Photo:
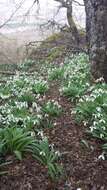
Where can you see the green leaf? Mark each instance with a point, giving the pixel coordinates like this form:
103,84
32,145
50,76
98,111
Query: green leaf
18,154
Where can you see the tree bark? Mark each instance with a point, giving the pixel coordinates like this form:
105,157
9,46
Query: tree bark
96,29
72,25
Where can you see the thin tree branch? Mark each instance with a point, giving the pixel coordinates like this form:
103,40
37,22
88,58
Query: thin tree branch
13,14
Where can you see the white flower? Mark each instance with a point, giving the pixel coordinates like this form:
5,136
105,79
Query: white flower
39,116
41,133
32,134
34,105
94,123
58,153
102,121
42,153
92,128
61,64
101,156
101,79
85,123
98,109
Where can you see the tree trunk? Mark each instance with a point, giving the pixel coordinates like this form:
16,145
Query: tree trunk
72,25
96,27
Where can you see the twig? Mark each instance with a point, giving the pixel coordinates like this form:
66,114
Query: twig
12,15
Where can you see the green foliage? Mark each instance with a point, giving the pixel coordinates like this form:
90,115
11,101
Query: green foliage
76,77
45,153
40,87
5,92
52,108
15,141
92,111
28,63
55,53
84,111
73,91
56,73
27,97
21,114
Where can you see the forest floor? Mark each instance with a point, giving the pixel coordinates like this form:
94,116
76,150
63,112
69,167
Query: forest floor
82,169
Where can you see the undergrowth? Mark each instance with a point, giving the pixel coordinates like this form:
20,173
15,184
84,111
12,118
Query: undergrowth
88,96
25,110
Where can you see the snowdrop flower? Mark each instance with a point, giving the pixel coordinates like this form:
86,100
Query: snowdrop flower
58,153
32,134
101,156
73,112
52,146
38,109
94,123
98,109
42,153
101,79
34,105
46,115
102,121
55,124
61,64
85,123
101,136
41,133
92,128
39,116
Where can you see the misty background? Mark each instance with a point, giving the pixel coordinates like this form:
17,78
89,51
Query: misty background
25,22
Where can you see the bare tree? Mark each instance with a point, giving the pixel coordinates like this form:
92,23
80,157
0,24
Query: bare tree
68,4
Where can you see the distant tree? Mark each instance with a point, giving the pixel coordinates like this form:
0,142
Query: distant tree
73,28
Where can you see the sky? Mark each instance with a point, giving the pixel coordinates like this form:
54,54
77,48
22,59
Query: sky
47,10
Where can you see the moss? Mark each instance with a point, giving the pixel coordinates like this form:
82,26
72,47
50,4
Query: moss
54,37
55,53
51,40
